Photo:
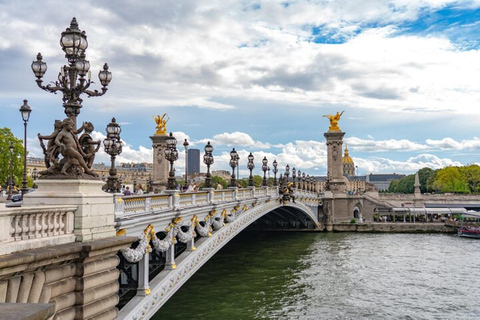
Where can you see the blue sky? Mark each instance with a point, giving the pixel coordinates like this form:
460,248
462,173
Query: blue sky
259,76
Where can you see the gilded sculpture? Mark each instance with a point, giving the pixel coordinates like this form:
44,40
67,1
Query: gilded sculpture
161,124
334,121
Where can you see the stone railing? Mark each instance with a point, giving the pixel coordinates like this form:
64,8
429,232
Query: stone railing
35,227
171,200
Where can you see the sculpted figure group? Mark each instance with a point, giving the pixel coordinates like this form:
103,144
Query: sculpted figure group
78,153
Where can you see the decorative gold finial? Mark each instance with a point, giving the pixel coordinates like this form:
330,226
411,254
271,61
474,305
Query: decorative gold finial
161,124
334,121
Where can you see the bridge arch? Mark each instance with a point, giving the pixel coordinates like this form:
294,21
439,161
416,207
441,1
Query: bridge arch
167,282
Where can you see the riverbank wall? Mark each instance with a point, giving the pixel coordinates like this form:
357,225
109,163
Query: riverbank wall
395,227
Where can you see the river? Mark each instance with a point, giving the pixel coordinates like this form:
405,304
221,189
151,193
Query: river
334,276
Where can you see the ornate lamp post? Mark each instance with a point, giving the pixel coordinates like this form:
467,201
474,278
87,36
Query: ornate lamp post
264,168
275,170
171,154
250,167
233,164
208,160
25,111
113,147
71,79
135,175
304,187
308,182
299,177
185,144
10,168
287,173
294,176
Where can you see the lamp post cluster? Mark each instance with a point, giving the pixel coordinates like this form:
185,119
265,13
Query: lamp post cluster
171,154
71,79
113,147
208,160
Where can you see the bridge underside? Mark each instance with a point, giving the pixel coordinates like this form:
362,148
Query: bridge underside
284,218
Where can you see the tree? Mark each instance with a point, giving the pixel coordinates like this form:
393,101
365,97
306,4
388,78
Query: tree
6,137
216,180
471,176
449,179
424,176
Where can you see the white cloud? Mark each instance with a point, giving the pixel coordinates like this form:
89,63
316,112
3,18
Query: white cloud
402,145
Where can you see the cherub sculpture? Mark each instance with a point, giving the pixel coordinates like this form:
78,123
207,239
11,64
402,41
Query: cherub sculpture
161,124
334,121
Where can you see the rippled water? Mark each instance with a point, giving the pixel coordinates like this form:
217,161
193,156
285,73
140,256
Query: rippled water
334,276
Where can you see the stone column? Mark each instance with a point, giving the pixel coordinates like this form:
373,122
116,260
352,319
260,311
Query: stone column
160,164
338,183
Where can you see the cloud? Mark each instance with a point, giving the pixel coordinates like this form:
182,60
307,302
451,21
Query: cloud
402,145
239,139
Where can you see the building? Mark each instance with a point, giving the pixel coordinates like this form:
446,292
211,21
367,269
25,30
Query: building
382,180
348,164
193,161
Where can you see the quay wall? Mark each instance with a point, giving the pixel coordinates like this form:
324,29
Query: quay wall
395,227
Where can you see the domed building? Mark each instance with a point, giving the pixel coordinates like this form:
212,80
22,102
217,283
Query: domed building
348,164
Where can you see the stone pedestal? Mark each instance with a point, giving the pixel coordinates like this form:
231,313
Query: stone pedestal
338,182
160,164
95,214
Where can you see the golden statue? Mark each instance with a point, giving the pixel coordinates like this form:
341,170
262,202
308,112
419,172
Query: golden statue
334,121
161,124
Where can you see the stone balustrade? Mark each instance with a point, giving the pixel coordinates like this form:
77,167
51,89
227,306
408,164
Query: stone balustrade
35,227
149,203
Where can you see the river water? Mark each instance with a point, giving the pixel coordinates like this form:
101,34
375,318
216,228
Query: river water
334,276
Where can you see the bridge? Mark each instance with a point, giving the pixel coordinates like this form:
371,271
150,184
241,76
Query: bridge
200,224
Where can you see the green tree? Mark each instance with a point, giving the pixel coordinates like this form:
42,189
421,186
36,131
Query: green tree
424,176
216,180
471,176
6,137
257,180
449,179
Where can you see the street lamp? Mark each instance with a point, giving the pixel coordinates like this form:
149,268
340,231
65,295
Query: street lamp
10,181
135,175
275,170
171,154
25,111
208,160
250,167
287,172
233,163
113,147
294,175
264,168
299,177
185,144
304,187
71,79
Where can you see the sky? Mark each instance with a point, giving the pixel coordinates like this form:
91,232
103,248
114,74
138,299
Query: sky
259,76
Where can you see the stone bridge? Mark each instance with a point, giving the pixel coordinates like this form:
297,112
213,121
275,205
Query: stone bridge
179,232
